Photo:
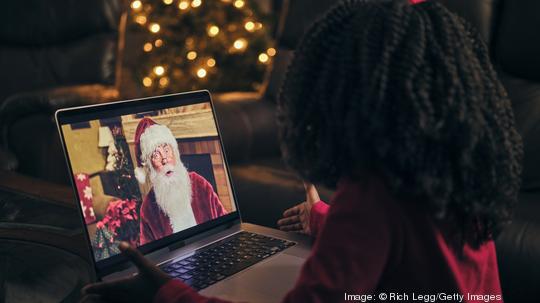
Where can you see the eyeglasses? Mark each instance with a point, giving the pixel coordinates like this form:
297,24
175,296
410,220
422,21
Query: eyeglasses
162,151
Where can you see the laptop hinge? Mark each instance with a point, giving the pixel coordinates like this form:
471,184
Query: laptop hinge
177,245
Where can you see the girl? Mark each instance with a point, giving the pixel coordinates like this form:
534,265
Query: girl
399,108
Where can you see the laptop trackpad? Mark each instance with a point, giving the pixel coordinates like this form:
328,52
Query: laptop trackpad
268,281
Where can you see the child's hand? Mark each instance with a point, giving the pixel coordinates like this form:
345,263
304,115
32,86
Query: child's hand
140,288
297,218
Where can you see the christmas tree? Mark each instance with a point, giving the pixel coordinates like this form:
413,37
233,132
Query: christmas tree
221,45
127,186
121,219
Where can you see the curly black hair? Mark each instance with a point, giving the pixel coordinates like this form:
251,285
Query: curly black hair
408,93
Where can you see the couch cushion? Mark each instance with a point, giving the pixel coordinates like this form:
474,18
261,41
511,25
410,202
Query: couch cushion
299,16
478,13
518,248
266,188
525,96
248,126
517,46
47,44
33,23
86,61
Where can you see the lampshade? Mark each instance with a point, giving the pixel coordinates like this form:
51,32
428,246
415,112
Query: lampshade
105,136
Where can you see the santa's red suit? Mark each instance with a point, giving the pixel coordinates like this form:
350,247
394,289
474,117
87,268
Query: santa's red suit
205,204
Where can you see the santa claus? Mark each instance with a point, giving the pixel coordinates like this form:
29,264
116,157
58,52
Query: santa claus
178,199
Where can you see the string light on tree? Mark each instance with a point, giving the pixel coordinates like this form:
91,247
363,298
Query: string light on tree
147,81
183,5
213,30
159,70
201,72
263,58
185,39
192,55
140,19
147,47
240,44
154,28
136,5
239,3
163,82
271,52
249,26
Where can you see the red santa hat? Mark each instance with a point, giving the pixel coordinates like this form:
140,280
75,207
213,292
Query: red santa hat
148,136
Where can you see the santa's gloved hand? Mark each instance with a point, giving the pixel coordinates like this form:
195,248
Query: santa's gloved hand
139,288
297,218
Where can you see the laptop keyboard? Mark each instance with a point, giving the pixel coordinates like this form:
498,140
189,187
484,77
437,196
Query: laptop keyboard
224,258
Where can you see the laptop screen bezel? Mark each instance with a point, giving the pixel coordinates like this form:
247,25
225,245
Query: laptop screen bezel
133,106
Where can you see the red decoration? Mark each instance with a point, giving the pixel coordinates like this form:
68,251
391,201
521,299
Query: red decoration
122,220
85,195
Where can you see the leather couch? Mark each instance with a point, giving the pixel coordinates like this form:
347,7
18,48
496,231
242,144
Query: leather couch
53,55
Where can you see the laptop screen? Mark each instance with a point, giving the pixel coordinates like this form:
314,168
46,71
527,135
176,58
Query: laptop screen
145,173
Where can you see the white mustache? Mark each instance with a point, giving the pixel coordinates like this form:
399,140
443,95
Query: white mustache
167,167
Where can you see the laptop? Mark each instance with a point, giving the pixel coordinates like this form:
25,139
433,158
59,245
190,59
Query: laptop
153,172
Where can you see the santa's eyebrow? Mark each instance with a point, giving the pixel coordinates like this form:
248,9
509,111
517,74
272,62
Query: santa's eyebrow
157,147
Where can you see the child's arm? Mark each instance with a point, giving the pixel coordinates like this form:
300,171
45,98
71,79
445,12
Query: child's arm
350,255
306,217
317,217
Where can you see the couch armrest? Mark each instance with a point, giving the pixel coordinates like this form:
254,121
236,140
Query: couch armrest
48,101
8,161
518,251
29,140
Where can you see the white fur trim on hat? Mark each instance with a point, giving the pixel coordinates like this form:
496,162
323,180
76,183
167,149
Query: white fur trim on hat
140,174
151,138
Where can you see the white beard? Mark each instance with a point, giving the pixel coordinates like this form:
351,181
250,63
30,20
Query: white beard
173,195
